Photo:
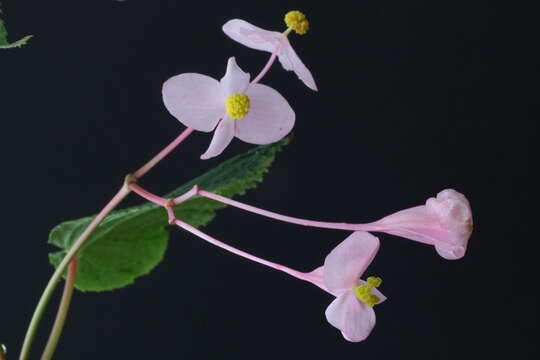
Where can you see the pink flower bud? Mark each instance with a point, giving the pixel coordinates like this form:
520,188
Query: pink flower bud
445,222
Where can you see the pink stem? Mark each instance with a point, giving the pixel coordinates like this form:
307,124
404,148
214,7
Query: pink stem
156,159
194,190
289,219
173,220
297,274
148,196
51,285
268,64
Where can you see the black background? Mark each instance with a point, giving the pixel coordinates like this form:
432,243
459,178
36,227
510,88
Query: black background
415,97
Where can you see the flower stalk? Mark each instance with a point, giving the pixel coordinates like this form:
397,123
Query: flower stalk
57,275
63,310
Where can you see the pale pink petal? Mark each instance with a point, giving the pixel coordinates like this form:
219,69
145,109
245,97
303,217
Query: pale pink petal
354,318
413,223
195,100
450,252
348,261
290,61
444,221
235,80
270,116
454,212
222,137
316,277
251,35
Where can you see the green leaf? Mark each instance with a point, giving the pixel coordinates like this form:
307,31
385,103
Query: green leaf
131,242
4,44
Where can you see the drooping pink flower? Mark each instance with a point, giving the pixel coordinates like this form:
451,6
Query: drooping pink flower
260,39
444,221
254,113
352,310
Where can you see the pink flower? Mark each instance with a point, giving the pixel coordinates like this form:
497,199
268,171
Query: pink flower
260,39
254,113
352,310
444,221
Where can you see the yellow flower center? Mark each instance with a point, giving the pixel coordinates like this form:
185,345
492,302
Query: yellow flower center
237,106
297,21
363,292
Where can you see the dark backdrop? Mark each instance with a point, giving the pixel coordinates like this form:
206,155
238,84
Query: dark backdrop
415,96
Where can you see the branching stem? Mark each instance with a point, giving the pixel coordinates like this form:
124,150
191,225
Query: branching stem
76,247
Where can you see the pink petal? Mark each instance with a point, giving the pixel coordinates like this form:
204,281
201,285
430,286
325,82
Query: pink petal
450,252
235,80
251,35
290,61
445,222
354,318
222,137
454,212
195,100
414,223
316,277
348,261
270,116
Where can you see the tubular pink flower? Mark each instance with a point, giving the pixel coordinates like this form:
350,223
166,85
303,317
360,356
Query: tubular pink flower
444,221
254,113
260,39
340,276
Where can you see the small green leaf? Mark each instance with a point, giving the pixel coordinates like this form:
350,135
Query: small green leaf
131,242
4,44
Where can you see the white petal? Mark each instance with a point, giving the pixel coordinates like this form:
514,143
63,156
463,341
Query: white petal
348,261
270,116
290,61
354,318
222,137
235,80
195,100
251,35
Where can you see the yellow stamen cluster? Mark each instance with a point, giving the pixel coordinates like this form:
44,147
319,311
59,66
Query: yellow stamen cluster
363,292
297,21
237,106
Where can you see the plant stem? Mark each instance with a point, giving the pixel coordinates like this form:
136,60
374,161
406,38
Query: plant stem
169,205
146,195
51,285
268,65
162,154
47,293
284,218
295,273
62,311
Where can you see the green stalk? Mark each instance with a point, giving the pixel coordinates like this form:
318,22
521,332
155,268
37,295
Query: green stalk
62,311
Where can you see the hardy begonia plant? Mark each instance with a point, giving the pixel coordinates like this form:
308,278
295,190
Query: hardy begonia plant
257,114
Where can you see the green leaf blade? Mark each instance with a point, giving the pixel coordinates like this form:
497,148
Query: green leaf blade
5,44
133,241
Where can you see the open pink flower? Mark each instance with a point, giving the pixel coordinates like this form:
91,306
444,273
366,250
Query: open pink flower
254,113
444,221
260,39
352,310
